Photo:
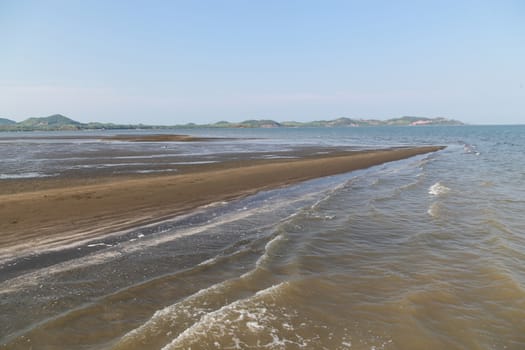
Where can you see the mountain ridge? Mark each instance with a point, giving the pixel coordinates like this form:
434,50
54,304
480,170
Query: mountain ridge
57,122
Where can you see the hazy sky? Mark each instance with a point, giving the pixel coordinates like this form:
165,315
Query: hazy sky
169,62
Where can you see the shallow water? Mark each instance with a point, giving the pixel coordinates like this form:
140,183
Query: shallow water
424,253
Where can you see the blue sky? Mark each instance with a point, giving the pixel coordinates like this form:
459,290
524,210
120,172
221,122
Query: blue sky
170,62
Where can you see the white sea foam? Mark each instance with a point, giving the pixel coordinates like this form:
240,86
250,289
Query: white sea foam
209,261
27,175
99,245
255,316
196,162
438,189
190,309
153,171
276,156
215,204
106,165
198,305
267,248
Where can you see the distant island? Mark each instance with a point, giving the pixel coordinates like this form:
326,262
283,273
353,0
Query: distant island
59,122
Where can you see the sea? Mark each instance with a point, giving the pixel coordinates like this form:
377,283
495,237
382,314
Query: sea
422,253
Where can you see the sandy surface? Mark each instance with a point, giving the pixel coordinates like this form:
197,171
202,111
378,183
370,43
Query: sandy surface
42,217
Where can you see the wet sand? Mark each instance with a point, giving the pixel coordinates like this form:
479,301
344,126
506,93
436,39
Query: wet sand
127,138
50,214
160,138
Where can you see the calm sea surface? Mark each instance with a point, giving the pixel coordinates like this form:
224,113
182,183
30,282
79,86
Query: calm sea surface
424,253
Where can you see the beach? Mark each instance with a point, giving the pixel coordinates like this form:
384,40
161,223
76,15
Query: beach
44,215
295,238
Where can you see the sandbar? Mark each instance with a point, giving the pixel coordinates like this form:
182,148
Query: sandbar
48,217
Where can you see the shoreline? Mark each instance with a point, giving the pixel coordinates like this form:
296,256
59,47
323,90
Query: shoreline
43,219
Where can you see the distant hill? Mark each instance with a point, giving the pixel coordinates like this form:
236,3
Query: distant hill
4,121
55,121
264,123
348,122
422,121
340,122
60,122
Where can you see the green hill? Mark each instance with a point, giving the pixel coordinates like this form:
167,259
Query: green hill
352,122
252,123
407,120
55,120
265,123
4,121
60,122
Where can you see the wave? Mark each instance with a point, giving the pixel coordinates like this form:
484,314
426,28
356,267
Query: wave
434,210
183,317
248,312
438,189
195,311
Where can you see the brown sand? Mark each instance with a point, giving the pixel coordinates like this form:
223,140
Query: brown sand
68,213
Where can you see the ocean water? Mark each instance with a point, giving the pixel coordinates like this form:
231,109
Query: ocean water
423,253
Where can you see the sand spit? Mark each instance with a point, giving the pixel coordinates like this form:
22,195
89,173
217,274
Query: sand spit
72,211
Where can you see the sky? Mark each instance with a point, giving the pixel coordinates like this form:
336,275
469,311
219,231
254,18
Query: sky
174,62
